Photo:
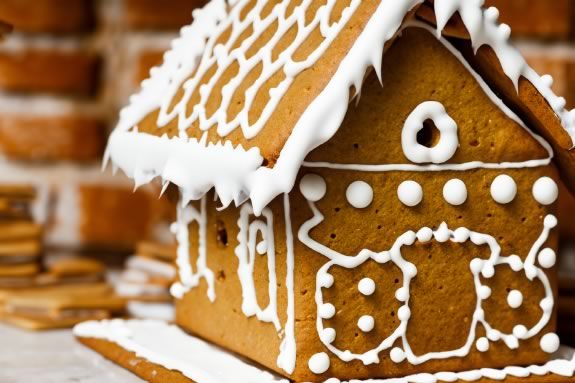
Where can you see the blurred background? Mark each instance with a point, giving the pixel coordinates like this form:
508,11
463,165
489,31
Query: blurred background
65,70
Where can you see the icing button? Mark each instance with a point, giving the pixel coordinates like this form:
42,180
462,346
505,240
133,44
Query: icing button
397,355
410,193
366,323
515,299
482,344
313,187
550,343
319,363
503,189
359,194
455,192
366,286
545,191
327,311
547,258
327,335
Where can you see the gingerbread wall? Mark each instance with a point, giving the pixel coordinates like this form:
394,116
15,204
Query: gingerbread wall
65,72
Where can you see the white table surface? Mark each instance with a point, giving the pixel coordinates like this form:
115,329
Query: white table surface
53,357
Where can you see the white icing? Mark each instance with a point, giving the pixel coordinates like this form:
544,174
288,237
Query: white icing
319,363
547,258
545,191
359,194
410,193
366,323
246,254
479,268
188,279
149,310
327,335
448,142
288,352
366,286
455,192
170,347
312,187
482,344
550,343
515,299
503,189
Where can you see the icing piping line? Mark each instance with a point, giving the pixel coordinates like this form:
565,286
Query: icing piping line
288,348
479,267
188,214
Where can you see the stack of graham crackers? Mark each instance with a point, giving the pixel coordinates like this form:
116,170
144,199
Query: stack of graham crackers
20,237
146,281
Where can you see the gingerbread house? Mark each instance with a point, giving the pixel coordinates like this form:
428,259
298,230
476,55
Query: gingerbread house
367,189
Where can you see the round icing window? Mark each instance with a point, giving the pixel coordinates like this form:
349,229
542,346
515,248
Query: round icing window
447,144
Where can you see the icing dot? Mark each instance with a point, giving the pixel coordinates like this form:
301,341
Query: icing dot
410,193
550,343
366,286
484,292
424,235
488,271
397,355
546,304
326,280
366,323
482,344
545,191
520,331
493,335
327,311
327,335
550,221
312,187
404,313
319,363
515,299
547,258
515,263
455,192
503,189
262,247
359,194
402,294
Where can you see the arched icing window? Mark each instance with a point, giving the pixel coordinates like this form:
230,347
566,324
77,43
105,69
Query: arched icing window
448,142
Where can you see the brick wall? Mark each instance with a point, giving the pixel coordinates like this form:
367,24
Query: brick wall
65,70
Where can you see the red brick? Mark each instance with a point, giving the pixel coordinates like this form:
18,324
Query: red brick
536,18
49,71
52,138
51,16
154,14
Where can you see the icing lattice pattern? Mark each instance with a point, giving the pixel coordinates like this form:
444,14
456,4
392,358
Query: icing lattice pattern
252,58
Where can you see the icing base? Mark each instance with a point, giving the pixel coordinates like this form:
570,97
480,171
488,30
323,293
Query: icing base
168,346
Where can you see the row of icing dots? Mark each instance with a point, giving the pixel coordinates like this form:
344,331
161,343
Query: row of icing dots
503,190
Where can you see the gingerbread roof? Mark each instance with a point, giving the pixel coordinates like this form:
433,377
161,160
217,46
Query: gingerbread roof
252,86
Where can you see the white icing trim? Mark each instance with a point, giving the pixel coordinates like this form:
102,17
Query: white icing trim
246,251
448,142
479,268
189,279
168,346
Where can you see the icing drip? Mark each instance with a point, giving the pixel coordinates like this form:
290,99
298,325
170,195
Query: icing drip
503,189
359,194
196,48
189,279
246,253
